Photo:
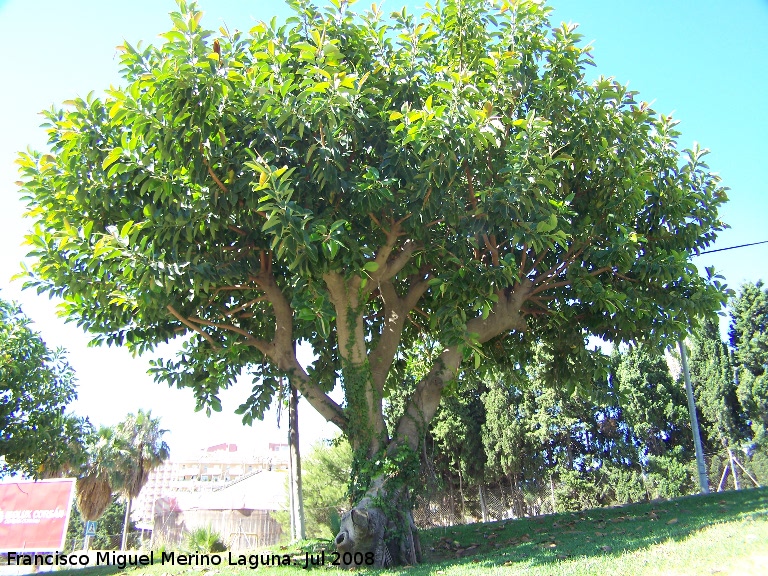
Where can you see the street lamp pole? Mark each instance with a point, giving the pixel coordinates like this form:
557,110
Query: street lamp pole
703,480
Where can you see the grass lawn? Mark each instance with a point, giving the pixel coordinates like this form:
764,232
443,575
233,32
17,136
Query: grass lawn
718,534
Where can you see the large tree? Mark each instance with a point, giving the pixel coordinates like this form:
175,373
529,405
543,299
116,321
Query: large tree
356,182
37,436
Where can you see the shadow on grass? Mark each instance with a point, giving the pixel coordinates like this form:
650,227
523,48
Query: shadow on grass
598,532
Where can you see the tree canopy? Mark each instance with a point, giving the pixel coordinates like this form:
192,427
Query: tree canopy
748,334
714,378
360,183
37,436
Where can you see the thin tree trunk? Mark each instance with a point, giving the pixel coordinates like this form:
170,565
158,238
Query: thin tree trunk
733,470
291,480
552,494
297,501
754,480
722,479
483,507
126,520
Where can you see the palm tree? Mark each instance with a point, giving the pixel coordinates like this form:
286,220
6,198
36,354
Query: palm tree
93,490
145,449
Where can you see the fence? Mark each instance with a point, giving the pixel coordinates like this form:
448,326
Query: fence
502,501
136,541
239,529
479,503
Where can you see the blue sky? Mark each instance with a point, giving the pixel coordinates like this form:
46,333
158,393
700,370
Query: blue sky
702,61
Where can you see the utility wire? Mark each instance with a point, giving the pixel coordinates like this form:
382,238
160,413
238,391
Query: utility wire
732,247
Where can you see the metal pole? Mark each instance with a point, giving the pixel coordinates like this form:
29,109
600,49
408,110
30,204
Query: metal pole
703,480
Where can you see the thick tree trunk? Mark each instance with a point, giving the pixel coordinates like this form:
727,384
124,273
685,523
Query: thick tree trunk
379,531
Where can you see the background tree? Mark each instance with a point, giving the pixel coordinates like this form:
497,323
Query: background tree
454,441
93,489
722,416
108,529
142,448
748,334
655,408
325,474
358,183
654,404
37,437
512,449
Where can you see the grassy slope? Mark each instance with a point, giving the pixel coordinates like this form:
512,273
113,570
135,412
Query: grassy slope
724,533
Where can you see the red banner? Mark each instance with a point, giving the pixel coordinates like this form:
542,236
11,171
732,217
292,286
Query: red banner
34,515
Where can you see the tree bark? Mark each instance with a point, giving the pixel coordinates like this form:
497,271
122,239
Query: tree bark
483,507
298,531
733,469
380,528
381,523
722,478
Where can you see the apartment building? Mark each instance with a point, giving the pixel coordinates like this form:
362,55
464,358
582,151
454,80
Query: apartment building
211,469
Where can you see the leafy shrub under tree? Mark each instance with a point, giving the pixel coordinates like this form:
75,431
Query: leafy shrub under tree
205,540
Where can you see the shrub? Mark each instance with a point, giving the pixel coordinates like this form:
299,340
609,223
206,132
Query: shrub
623,486
204,540
576,491
670,477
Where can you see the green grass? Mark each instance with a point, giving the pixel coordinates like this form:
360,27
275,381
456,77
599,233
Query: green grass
718,534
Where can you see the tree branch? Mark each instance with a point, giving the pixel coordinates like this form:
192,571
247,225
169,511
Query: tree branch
376,221
261,345
389,267
504,316
237,230
600,270
524,258
396,312
282,351
318,399
470,186
493,249
218,182
283,340
398,263
232,311
191,326
546,286
537,261
568,259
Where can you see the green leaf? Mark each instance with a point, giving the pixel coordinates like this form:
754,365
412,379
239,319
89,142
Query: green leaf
111,158
126,229
547,225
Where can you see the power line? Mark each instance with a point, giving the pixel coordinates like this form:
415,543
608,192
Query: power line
732,247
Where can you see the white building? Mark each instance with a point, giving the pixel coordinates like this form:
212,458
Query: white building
211,469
